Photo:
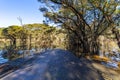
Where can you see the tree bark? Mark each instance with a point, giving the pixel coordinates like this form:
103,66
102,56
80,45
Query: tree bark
117,36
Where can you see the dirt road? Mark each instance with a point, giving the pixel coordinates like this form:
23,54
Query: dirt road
56,65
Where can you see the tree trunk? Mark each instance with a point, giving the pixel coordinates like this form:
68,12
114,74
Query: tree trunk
13,42
86,48
94,46
117,35
30,38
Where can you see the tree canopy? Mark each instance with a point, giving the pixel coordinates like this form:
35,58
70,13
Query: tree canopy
84,20
13,32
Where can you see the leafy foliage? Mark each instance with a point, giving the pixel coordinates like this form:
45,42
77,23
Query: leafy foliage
84,21
13,32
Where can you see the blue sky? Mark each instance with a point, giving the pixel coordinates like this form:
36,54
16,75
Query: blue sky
28,10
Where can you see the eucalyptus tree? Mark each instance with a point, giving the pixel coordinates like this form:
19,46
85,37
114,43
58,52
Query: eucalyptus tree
1,31
116,29
13,33
33,31
84,20
116,32
39,34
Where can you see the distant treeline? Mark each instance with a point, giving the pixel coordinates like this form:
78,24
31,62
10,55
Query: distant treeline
32,35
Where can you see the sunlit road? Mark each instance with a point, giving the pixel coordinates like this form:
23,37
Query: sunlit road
55,65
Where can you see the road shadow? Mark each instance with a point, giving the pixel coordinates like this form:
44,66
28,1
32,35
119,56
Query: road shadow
56,64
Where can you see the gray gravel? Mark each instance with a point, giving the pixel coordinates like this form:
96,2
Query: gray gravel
56,65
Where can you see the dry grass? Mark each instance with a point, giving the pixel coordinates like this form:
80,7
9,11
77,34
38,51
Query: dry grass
119,64
107,73
98,58
102,59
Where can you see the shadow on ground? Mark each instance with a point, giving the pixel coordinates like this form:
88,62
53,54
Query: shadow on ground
56,65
